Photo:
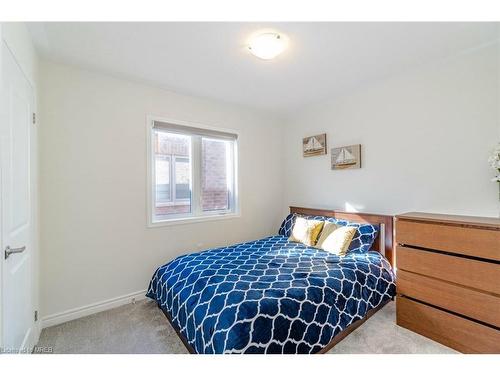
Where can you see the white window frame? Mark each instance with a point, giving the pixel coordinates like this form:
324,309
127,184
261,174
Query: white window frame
196,214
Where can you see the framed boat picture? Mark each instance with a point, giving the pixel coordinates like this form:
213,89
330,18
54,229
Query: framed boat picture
314,145
346,157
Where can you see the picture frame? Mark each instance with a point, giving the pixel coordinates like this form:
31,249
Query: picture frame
346,157
314,145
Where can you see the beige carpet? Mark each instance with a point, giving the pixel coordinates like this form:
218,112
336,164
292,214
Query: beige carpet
142,328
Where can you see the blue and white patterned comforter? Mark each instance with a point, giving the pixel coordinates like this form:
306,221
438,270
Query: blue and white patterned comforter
269,295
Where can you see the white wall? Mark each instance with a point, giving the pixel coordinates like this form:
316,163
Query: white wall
95,241
16,36
425,138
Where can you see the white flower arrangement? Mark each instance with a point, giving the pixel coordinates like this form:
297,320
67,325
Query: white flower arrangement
494,161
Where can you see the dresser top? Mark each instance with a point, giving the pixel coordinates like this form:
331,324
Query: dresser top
490,222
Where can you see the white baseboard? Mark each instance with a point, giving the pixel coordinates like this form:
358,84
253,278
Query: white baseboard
72,314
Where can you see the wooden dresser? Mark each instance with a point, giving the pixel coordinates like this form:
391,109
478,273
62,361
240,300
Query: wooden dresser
448,279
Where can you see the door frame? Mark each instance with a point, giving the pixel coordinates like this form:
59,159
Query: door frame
33,189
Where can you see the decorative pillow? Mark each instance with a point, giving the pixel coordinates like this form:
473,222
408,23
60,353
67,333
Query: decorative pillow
306,231
287,225
363,238
336,238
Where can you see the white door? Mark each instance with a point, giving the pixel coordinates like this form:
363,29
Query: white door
16,255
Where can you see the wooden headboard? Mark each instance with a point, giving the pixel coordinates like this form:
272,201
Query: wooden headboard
383,244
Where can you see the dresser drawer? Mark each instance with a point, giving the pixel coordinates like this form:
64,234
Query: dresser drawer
468,272
482,243
451,330
469,302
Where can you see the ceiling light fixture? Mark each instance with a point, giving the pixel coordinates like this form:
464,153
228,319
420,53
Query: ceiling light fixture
267,46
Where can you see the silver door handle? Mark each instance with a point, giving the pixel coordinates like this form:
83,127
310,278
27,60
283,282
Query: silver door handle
16,250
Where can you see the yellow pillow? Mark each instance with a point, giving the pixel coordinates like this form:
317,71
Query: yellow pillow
306,231
336,238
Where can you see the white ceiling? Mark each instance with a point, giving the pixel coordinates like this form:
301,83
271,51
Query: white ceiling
210,59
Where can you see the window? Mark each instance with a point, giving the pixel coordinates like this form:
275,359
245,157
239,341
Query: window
193,172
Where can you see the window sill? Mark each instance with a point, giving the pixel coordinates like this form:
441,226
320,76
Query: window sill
186,202
192,220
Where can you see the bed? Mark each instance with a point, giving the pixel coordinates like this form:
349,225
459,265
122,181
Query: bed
276,296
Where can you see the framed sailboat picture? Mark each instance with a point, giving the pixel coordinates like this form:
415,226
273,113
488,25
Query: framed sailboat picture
346,157
314,145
